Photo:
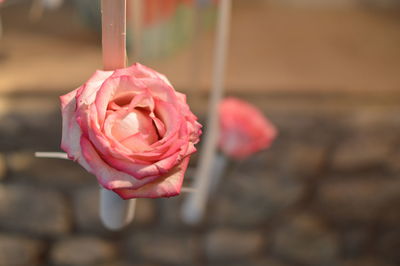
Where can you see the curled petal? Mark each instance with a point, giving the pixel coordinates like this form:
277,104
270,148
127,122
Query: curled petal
107,176
140,71
168,185
71,130
114,88
86,94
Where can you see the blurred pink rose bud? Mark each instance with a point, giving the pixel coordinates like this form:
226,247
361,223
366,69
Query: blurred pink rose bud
132,130
243,129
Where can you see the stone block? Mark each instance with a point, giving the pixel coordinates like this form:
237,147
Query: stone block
246,199
3,167
229,244
302,161
388,245
170,211
360,153
304,239
18,250
146,212
82,251
355,240
59,173
171,248
86,209
347,201
33,210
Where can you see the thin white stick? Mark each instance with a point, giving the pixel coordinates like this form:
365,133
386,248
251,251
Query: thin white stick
194,206
55,155
188,190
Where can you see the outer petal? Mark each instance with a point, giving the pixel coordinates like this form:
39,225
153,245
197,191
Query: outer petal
168,185
151,73
139,171
87,93
72,102
140,71
194,127
171,119
107,176
143,171
71,132
159,89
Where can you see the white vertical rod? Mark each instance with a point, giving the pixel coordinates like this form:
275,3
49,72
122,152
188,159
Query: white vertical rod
194,206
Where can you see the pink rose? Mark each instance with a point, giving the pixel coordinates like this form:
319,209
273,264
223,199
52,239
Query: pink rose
132,130
243,129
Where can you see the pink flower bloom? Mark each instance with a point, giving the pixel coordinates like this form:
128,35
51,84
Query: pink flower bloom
243,129
132,130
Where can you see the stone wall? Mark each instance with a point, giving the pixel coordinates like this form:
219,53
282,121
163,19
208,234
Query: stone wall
326,193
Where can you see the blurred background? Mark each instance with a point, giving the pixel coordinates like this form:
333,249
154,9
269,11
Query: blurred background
326,73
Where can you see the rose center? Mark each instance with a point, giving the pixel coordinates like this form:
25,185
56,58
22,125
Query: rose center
135,130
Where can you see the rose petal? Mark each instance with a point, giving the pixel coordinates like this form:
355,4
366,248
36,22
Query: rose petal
160,126
108,92
161,91
136,142
140,71
168,185
87,93
141,171
70,128
170,118
109,177
109,147
127,126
